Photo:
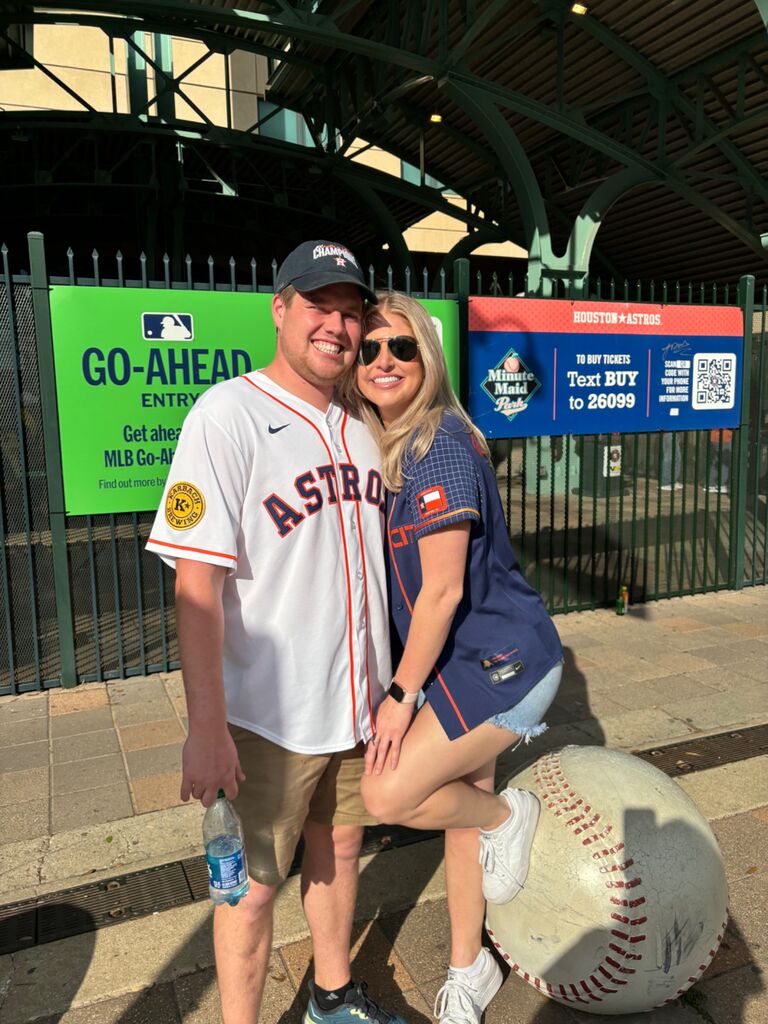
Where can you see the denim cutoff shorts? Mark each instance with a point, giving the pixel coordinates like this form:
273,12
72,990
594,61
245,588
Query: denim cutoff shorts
525,718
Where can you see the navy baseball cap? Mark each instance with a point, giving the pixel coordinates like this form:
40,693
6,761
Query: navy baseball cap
316,264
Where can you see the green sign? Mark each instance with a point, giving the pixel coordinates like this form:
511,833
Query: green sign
130,364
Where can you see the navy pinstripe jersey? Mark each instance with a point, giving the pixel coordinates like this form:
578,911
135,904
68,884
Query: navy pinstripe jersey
502,641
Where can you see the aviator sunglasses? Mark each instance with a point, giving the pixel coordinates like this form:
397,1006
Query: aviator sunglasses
402,346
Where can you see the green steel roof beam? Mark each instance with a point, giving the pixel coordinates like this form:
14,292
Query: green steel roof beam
124,26
475,28
593,212
386,223
762,7
510,153
183,18
661,86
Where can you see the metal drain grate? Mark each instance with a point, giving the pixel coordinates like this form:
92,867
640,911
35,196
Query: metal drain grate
101,904
708,751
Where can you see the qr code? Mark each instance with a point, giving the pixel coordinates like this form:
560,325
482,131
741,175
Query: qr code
714,380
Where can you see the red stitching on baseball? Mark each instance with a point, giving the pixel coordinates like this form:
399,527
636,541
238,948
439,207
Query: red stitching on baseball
549,772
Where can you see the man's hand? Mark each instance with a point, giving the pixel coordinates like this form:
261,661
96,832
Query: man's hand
393,721
209,762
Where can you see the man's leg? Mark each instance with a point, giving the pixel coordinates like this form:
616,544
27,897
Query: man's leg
329,891
242,941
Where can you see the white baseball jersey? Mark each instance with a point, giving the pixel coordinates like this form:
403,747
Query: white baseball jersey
291,501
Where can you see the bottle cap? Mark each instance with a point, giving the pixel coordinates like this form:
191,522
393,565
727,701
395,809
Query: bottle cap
220,795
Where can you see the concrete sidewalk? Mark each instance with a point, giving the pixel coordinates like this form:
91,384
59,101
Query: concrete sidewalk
89,790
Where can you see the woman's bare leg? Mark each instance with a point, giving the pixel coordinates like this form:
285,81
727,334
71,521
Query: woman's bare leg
427,789
463,876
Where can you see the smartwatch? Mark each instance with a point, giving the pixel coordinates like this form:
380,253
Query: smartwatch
396,692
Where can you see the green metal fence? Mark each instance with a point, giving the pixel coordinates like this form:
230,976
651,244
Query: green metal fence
80,599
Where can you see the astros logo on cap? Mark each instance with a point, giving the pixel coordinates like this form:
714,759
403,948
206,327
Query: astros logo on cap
184,506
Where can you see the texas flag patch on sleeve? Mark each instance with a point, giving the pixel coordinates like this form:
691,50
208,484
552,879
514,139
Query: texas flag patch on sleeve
430,501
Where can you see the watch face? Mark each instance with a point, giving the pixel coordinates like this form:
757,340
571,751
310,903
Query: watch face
396,692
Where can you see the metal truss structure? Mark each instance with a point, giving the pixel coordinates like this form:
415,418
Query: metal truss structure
544,119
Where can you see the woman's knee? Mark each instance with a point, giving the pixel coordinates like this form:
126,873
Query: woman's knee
384,799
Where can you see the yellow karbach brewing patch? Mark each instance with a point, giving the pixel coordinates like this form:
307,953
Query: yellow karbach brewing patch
184,506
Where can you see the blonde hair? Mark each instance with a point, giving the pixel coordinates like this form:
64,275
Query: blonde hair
415,430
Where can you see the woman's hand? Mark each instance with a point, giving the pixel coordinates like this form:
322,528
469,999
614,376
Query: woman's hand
393,721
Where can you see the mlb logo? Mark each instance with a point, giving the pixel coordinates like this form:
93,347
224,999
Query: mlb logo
431,501
167,327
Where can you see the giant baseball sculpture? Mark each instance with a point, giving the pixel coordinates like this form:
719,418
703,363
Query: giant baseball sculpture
626,901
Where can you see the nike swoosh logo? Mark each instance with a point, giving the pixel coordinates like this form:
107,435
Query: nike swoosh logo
276,430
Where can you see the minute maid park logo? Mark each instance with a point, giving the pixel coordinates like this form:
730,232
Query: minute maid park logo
510,385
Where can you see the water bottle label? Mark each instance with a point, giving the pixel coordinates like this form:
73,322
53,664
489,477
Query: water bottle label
226,872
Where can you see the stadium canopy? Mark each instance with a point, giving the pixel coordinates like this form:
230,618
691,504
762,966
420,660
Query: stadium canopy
621,136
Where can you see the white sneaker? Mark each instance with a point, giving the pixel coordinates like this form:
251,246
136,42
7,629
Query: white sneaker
505,851
462,1000
677,486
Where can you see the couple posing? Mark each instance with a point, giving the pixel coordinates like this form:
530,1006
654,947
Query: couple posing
285,486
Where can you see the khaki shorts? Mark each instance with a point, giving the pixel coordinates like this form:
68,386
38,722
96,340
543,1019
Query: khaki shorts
282,790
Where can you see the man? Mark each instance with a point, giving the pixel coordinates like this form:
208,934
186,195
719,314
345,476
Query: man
273,518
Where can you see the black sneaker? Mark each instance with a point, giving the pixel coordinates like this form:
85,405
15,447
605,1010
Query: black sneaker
357,1007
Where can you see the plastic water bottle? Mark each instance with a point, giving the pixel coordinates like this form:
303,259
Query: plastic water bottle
224,852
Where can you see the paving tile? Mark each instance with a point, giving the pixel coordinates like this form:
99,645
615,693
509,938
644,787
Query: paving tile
676,662
26,731
656,692
748,902
90,807
180,706
135,714
422,939
636,729
24,706
729,789
735,998
138,690
76,776
27,820
153,760
751,648
680,624
24,756
173,683
80,722
86,697
755,667
743,840
156,1005
151,734
748,629
18,787
84,745
373,959
732,953
198,997
720,710
156,792
720,654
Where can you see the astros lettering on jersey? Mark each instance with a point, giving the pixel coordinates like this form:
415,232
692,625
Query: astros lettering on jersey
291,501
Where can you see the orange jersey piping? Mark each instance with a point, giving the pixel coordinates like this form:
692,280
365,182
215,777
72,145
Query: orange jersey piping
199,551
410,609
343,541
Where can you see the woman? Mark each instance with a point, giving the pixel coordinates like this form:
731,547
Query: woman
476,638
